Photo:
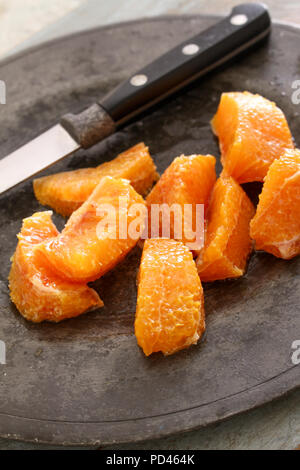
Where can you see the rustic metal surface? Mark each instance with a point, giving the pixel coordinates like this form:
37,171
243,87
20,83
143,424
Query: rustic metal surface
85,381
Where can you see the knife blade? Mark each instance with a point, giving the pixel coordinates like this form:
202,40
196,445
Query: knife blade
247,25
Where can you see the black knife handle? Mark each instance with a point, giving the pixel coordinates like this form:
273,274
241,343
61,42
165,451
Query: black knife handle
245,26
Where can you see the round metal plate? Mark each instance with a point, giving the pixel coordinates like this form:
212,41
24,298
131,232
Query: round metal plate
85,381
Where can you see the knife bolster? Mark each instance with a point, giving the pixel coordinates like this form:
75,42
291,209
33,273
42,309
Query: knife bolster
89,127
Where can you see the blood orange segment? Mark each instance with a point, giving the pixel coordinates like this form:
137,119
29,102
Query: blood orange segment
38,293
227,242
83,252
276,225
188,180
65,192
252,132
170,305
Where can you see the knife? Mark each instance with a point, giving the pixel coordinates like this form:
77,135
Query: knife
247,25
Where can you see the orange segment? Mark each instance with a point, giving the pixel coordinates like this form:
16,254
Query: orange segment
227,244
170,305
253,132
188,180
83,252
38,293
67,191
276,225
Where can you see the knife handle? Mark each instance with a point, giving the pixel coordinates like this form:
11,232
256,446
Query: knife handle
246,25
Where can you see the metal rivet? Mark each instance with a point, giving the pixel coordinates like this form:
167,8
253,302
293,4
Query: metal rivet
190,49
239,20
139,80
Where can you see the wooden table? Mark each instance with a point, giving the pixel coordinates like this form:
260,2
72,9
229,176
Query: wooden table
93,13
276,425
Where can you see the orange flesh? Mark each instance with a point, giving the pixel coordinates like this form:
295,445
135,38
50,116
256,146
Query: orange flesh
79,253
38,293
276,225
227,242
170,305
252,133
188,180
65,192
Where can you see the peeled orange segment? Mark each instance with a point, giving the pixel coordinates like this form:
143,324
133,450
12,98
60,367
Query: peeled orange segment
276,225
227,241
189,180
98,235
67,191
252,132
38,293
170,306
